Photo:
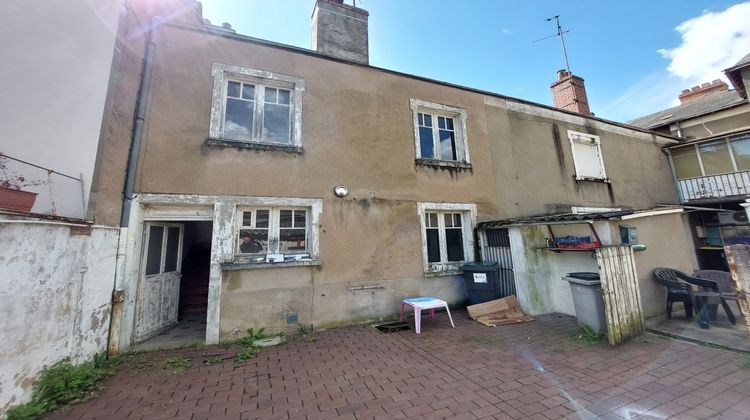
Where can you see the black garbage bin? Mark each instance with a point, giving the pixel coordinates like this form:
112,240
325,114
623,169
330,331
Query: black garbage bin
482,281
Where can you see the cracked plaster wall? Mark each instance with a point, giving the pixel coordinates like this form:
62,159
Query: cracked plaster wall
55,292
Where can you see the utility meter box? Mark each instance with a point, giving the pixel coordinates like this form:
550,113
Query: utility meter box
629,235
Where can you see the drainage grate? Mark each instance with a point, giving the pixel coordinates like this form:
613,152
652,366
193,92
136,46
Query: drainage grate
389,327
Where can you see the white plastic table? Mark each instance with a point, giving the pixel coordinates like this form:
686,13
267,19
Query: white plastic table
424,302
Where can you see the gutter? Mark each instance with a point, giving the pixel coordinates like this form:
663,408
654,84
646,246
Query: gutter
118,294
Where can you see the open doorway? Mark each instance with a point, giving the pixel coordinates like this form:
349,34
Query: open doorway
173,290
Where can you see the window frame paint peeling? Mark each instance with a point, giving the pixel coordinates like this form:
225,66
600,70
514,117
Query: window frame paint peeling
222,74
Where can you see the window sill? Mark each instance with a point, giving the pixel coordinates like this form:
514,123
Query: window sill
253,145
238,265
602,180
442,163
442,273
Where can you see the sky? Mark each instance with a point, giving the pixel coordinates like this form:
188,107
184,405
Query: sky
636,56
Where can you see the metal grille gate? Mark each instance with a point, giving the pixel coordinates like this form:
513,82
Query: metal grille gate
496,248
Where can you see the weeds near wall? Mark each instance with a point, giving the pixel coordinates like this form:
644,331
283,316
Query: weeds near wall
250,350
63,384
179,363
252,335
211,360
586,334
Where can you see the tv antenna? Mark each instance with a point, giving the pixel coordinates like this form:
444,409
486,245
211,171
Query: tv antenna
559,33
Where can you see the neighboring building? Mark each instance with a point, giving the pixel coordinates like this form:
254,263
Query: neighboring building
290,186
712,167
53,119
56,265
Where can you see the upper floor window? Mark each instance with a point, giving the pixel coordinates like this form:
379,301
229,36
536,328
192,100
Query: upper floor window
587,156
255,106
715,157
439,133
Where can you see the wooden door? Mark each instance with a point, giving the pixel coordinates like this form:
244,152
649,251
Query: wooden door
159,286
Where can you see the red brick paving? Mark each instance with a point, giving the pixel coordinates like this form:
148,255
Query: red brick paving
532,370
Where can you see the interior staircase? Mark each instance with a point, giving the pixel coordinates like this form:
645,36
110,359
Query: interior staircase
194,283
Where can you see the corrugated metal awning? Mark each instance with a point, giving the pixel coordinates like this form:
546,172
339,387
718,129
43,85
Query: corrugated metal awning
578,218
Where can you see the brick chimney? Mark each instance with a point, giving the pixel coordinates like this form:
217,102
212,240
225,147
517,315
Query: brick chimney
569,93
696,92
340,30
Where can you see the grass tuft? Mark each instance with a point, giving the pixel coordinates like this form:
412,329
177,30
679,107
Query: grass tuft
586,334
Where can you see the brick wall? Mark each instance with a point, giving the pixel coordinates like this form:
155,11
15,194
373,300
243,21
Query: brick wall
569,93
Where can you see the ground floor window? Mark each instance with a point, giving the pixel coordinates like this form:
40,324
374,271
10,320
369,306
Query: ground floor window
273,230
447,235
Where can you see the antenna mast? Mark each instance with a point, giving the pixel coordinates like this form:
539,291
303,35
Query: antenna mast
560,33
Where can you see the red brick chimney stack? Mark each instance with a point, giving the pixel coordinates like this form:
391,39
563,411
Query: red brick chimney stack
696,92
569,93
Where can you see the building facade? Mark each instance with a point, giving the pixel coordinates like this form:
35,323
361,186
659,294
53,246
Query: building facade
711,167
288,186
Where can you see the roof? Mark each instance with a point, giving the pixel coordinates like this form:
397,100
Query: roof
710,103
742,63
735,76
577,218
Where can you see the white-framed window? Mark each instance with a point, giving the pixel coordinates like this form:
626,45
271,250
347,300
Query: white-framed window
164,250
439,132
447,235
284,227
256,106
273,230
587,156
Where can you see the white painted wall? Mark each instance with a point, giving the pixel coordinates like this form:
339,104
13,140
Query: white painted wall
538,272
55,294
57,57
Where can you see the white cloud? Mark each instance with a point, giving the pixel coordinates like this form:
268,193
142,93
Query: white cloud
710,43
506,31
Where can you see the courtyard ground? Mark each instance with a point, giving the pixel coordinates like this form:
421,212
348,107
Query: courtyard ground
530,370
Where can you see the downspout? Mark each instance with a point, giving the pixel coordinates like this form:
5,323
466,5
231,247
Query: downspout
674,175
118,295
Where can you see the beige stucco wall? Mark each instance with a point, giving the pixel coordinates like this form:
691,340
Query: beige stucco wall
668,245
534,168
357,130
